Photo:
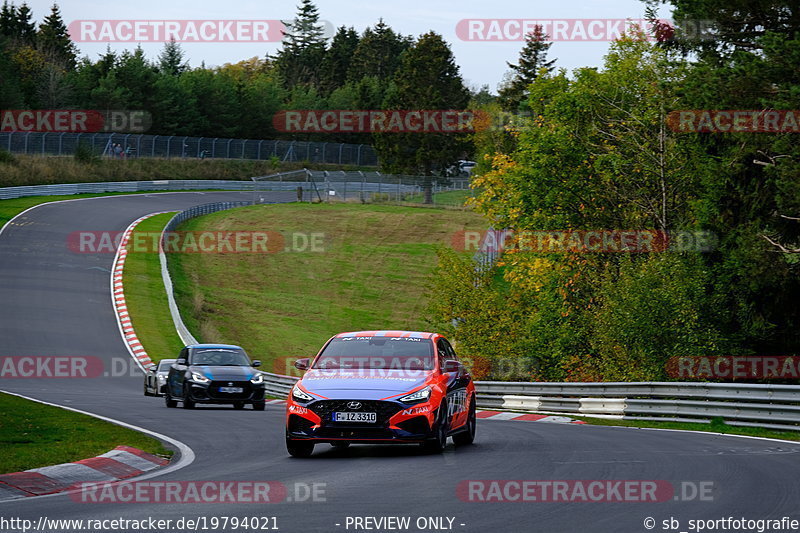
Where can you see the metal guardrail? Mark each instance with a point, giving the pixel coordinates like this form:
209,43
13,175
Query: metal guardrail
755,405
196,211
179,146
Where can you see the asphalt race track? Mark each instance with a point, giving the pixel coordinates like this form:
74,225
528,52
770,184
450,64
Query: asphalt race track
57,302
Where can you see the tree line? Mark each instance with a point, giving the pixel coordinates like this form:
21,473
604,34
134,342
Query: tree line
597,153
376,69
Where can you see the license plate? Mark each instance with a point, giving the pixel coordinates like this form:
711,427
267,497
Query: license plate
231,389
349,416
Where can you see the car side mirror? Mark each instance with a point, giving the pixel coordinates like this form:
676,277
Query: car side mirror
256,363
302,364
180,361
152,367
453,366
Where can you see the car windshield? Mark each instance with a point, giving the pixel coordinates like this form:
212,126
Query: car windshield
219,357
384,353
163,366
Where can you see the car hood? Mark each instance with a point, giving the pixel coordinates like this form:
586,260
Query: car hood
233,373
363,384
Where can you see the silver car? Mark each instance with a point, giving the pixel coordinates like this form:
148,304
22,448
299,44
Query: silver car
155,376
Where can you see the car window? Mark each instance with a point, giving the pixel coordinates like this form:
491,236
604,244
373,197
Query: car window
219,356
450,351
442,352
385,353
163,366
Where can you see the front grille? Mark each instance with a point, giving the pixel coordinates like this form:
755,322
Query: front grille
383,410
368,432
214,392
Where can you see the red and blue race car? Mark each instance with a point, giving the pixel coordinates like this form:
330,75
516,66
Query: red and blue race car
381,387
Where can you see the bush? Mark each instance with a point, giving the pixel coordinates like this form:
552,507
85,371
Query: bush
84,153
8,158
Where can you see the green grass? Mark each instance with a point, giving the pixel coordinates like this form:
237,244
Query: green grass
448,198
34,435
373,274
146,298
716,426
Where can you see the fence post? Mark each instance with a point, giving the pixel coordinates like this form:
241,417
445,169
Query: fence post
60,142
169,141
139,144
259,150
341,146
244,144
214,147
358,156
153,147
44,136
228,152
26,143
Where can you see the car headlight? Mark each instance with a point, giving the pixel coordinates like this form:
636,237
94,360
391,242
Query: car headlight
258,379
420,395
300,395
197,377
162,378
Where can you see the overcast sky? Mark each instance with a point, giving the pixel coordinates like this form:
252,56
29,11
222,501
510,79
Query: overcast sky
480,62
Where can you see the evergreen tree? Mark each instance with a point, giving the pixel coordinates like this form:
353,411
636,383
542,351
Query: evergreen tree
10,92
303,50
338,59
378,53
532,59
170,60
427,79
8,20
54,42
26,27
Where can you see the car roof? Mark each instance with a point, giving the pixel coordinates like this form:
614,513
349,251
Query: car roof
388,333
212,346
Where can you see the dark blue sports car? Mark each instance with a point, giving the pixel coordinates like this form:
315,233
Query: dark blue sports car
216,374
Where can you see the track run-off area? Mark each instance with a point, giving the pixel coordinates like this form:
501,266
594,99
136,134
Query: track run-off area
55,302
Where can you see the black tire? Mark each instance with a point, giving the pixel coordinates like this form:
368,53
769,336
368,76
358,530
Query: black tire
340,444
439,441
238,405
187,401
467,437
145,391
259,406
169,401
299,448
